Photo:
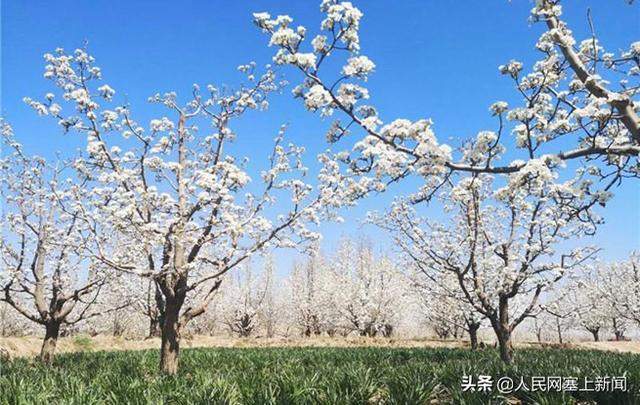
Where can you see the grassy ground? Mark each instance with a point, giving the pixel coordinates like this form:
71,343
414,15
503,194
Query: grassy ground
307,376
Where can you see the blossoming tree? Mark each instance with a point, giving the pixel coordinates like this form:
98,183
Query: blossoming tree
499,246
176,193
47,274
615,287
444,305
558,312
366,289
246,299
309,305
352,290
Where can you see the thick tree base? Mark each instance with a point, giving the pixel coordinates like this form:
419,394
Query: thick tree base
49,344
170,348
169,361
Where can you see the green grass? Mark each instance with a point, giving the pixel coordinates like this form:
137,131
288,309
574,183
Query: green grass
84,343
305,376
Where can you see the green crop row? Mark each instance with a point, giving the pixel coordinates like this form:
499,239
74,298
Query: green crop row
308,376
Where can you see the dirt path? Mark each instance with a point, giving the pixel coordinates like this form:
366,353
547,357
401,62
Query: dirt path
30,346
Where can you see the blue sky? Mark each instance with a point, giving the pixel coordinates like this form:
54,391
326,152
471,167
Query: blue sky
435,59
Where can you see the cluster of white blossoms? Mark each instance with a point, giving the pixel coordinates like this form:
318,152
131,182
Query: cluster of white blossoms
162,124
513,68
498,107
305,60
534,177
37,106
317,98
483,149
345,17
106,92
349,94
358,66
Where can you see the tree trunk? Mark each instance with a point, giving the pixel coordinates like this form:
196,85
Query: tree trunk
154,328
4,320
118,327
503,331
538,332
174,289
50,341
157,316
617,331
506,349
170,348
595,333
473,335
559,329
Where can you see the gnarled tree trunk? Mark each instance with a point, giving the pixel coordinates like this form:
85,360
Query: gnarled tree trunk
154,328
170,348
50,342
595,332
473,335
506,348
617,330
559,330
156,314
502,329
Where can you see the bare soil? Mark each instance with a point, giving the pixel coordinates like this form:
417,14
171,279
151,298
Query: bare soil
30,346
